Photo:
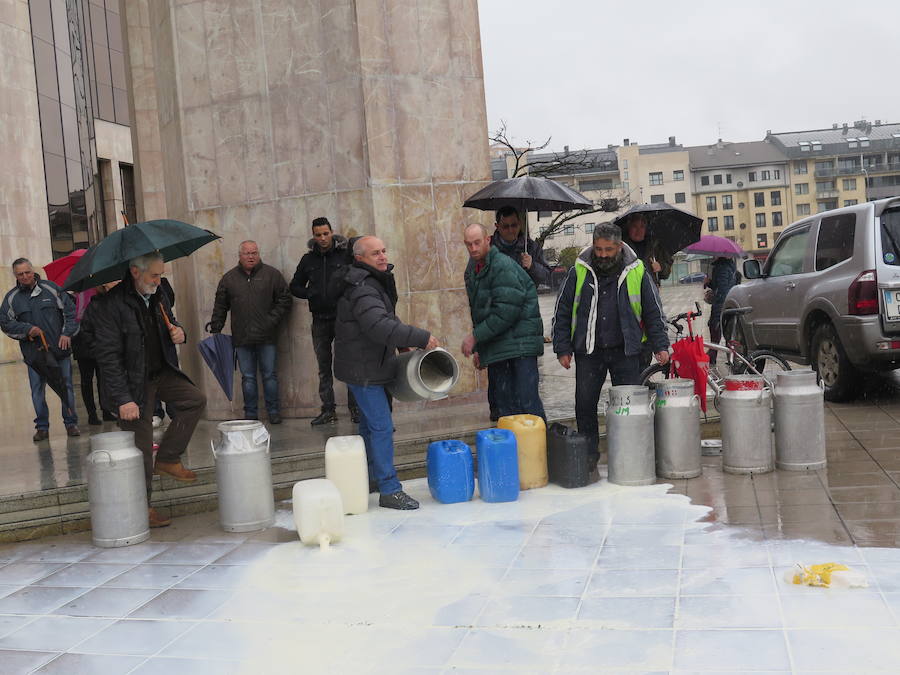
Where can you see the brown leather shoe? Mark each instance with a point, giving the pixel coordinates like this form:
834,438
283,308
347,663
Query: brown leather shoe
40,435
157,520
73,430
174,470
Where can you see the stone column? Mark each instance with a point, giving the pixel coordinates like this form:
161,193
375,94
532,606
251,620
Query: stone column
273,112
24,230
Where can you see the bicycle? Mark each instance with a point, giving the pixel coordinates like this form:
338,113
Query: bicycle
760,362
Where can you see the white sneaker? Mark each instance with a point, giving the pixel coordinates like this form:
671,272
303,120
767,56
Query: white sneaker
157,422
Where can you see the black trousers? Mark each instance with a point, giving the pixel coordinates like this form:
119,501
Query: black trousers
87,368
322,338
590,374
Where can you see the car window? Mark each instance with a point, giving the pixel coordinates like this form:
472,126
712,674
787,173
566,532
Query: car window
787,258
890,236
835,241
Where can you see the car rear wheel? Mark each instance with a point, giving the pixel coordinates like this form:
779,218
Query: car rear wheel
831,364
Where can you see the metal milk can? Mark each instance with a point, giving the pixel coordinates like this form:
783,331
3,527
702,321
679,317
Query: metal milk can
116,490
629,429
745,407
677,429
244,476
424,375
799,421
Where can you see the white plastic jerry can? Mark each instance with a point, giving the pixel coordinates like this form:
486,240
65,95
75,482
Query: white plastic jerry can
318,512
345,466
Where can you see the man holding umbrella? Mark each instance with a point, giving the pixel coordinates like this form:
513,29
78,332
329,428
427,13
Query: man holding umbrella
34,312
135,337
509,239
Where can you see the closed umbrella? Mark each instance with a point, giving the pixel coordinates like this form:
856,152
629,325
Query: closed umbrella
670,228
218,352
108,260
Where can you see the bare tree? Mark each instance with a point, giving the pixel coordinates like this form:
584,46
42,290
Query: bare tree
556,165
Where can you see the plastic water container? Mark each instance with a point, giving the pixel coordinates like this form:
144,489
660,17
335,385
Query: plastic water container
531,438
498,465
568,457
451,471
345,466
318,512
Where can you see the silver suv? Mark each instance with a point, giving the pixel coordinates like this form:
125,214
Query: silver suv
829,295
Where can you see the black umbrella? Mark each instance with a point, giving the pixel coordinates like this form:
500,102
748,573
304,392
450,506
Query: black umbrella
671,228
42,361
108,260
218,352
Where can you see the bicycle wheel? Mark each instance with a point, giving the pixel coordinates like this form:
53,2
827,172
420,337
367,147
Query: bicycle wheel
655,373
766,363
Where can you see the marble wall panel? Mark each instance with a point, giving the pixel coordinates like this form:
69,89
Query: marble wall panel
339,32
387,216
473,149
434,29
202,157
348,129
444,132
425,239
257,148
190,41
314,121
374,52
450,222
234,58
293,218
292,42
465,40
382,140
355,214
410,119
402,21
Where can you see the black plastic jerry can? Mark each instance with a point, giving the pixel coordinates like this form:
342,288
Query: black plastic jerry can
568,457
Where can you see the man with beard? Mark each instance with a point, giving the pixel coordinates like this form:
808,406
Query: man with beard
607,308
367,337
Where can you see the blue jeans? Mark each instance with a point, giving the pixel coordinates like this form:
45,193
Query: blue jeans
515,389
377,429
251,357
38,385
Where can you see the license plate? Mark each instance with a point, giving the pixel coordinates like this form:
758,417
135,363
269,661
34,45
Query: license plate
892,305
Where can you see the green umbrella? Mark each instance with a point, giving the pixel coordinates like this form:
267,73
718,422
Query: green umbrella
108,260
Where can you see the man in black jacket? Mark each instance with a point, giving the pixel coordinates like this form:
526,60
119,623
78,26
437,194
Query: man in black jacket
368,334
511,241
329,256
257,296
135,333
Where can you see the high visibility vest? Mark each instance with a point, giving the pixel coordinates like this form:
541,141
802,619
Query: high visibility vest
633,278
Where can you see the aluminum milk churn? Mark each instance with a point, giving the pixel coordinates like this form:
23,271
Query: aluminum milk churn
745,406
629,431
116,490
244,476
799,421
424,375
677,429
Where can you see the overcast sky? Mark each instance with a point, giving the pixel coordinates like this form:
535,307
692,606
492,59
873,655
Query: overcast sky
592,72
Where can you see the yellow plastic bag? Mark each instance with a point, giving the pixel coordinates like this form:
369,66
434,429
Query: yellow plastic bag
826,575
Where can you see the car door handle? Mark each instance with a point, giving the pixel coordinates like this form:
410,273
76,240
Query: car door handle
789,286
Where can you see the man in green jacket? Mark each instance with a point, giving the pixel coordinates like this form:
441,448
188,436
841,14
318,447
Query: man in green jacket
507,332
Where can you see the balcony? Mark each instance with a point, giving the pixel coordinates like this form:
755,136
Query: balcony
826,194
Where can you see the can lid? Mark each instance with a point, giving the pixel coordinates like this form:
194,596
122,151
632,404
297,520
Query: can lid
744,383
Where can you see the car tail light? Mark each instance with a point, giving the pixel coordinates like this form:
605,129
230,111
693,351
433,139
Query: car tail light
862,296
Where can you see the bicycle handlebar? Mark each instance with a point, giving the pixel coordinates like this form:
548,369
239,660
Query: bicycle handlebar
686,315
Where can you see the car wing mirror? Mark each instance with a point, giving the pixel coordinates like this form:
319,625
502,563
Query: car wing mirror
752,269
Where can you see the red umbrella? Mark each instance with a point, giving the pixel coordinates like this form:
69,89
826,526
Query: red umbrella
58,270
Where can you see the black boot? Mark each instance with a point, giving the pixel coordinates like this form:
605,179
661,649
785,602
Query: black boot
93,420
325,417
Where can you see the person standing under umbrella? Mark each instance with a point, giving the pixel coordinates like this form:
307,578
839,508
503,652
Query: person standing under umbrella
135,333
722,277
34,306
257,296
655,259
511,241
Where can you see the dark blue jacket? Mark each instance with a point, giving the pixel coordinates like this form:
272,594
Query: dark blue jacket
540,270
45,306
722,277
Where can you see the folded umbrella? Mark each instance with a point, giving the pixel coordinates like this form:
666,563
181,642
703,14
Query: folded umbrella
719,247
42,361
671,228
218,352
108,260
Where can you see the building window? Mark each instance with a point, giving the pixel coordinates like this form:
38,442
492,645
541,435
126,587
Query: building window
717,179
126,172
728,178
600,184
544,214
800,168
589,228
851,202
656,199
849,183
776,174
775,196
760,219
762,240
803,209
679,198
759,199
816,146
569,228
678,174
710,203
776,219
766,175
726,202
804,146
729,222
751,176
801,188
825,185
712,224
625,175
704,180
656,178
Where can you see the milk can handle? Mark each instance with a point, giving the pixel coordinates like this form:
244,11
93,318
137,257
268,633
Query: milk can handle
695,398
112,462
651,405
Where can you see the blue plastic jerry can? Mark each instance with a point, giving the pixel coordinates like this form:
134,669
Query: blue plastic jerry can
451,471
498,465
